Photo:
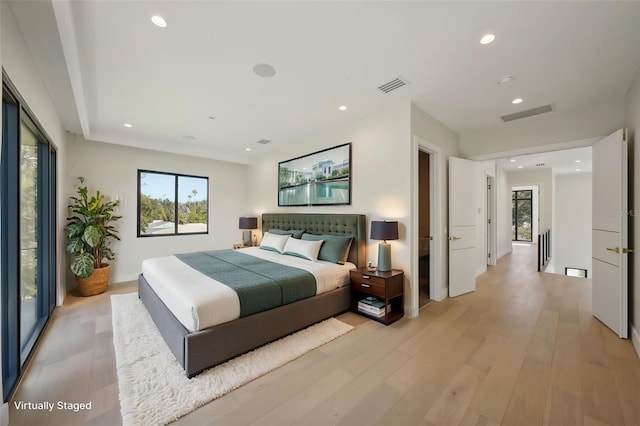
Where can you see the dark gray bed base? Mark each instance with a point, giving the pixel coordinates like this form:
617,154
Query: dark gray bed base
200,350
197,351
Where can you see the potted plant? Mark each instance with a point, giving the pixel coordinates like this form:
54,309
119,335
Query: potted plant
89,233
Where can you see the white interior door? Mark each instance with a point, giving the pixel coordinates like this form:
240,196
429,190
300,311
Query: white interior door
462,226
610,222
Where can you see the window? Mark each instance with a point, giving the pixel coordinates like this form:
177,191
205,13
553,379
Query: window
575,272
28,230
172,204
521,208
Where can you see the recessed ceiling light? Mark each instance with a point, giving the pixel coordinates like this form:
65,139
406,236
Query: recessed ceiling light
578,161
505,79
159,21
513,160
577,170
342,108
247,149
264,70
487,38
127,125
520,167
516,101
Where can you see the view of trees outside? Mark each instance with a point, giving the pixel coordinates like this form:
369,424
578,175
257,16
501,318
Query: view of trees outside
28,230
158,201
521,205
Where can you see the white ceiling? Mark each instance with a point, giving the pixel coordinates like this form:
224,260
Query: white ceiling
106,64
568,161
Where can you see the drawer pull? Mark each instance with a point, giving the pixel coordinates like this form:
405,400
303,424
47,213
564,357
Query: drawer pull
365,285
366,277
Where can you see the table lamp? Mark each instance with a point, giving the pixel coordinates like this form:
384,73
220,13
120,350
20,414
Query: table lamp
246,224
384,230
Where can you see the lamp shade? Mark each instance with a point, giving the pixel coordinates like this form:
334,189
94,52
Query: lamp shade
248,223
384,230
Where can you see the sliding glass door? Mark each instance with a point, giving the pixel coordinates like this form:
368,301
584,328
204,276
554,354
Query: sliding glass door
28,230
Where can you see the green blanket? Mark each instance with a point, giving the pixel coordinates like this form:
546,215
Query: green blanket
260,284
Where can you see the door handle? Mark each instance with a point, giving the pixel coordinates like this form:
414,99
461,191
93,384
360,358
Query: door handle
454,238
616,249
627,250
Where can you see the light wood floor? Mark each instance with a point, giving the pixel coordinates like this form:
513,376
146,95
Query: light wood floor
523,349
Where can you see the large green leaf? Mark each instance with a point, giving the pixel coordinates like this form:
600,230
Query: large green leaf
92,235
75,229
82,265
75,246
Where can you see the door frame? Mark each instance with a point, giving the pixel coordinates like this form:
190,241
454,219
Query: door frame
492,237
435,224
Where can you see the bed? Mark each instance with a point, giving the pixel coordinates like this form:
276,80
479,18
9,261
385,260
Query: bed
205,348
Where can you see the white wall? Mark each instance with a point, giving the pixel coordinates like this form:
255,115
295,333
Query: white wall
572,223
382,175
544,179
113,169
633,124
503,212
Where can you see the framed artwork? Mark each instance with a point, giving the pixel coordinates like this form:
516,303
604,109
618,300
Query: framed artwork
322,178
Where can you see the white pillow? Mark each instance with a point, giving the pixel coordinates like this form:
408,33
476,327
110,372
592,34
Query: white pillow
274,242
302,248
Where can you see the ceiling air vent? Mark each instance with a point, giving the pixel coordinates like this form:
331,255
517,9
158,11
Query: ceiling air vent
264,141
527,113
394,84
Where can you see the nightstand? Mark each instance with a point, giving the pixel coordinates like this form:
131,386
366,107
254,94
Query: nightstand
384,286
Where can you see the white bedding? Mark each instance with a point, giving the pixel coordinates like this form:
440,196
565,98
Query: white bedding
198,301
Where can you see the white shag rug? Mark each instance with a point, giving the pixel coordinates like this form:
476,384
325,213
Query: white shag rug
153,387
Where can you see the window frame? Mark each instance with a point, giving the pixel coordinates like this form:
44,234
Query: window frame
176,177
514,218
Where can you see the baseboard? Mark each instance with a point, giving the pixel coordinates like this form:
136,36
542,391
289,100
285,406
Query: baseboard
123,278
481,270
444,293
503,253
635,339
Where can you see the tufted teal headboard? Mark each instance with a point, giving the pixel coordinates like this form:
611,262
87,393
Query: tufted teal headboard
331,224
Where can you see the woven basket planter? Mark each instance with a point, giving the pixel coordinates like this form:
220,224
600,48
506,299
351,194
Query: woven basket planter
96,283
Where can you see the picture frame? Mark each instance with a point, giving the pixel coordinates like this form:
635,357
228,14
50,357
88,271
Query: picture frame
322,178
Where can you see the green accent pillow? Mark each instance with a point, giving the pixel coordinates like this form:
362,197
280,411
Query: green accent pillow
295,233
335,248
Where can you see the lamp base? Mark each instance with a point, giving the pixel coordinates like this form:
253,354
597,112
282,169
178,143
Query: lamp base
246,238
384,257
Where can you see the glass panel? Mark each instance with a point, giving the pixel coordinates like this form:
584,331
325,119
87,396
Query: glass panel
192,204
513,219
29,266
523,223
157,203
524,195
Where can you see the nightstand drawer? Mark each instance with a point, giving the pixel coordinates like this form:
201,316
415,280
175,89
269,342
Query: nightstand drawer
372,285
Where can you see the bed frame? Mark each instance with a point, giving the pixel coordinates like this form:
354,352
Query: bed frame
197,351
